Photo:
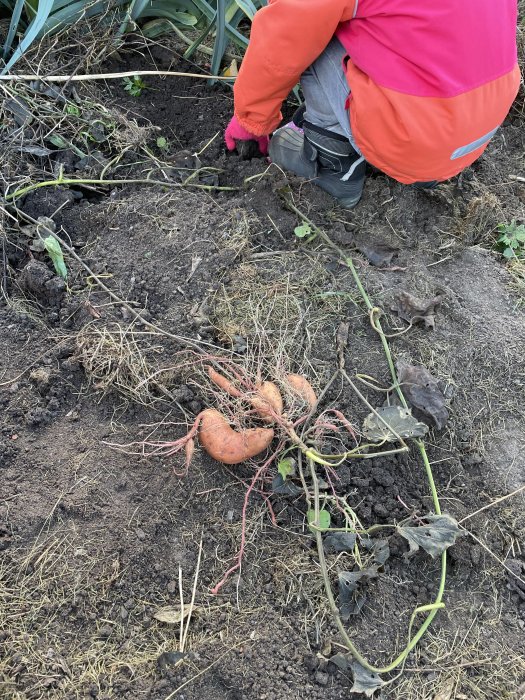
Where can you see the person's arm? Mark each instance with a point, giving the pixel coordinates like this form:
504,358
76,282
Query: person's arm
286,37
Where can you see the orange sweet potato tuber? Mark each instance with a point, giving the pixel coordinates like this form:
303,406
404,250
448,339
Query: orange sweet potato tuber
227,445
302,387
267,401
223,383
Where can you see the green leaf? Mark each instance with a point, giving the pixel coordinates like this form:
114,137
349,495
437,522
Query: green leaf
324,520
162,142
302,231
509,253
55,253
31,33
286,467
15,20
434,538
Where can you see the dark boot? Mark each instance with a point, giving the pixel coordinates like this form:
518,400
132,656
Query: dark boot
322,156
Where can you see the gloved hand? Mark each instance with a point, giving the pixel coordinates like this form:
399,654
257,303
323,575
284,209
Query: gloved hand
235,132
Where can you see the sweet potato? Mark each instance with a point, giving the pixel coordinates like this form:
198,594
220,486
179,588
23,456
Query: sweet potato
267,401
227,445
223,383
302,387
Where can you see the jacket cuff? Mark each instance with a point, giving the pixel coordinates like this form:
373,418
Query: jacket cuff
258,128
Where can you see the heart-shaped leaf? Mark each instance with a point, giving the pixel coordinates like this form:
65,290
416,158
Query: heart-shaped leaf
434,538
392,422
324,520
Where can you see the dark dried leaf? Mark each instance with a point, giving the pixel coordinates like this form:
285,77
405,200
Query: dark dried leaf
39,151
378,254
423,393
381,552
170,658
389,422
341,661
412,309
365,681
339,542
285,488
434,538
348,583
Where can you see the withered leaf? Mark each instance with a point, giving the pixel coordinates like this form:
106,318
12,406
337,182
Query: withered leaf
171,614
423,393
378,254
411,309
285,488
170,658
389,422
434,538
339,542
348,583
365,681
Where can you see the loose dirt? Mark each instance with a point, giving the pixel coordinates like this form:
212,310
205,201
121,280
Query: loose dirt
94,540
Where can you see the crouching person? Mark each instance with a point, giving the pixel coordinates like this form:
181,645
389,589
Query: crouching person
415,88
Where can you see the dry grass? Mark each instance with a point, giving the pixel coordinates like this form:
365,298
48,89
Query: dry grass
120,359
284,303
468,667
64,632
517,271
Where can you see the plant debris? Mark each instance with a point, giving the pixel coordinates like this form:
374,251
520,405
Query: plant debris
172,614
423,393
411,309
349,603
378,254
392,422
365,681
285,488
337,542
434,538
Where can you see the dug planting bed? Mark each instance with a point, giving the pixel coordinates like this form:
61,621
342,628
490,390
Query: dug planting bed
120,574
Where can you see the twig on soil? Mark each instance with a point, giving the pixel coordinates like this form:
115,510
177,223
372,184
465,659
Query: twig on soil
11,77
193,593
493,555
492,504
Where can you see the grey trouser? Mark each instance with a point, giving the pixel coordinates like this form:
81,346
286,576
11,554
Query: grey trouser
326,91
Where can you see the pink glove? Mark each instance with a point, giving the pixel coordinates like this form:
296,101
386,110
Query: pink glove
235,132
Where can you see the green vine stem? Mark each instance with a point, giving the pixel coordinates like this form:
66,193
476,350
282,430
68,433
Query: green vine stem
92,181
432,608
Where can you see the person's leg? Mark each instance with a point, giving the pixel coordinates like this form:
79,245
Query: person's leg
326,92
318,143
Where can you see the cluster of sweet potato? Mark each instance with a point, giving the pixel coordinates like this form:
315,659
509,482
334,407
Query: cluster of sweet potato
230,446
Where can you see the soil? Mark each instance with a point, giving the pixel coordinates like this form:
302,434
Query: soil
95,540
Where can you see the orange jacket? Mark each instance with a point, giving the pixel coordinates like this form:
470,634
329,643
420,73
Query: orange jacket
429,82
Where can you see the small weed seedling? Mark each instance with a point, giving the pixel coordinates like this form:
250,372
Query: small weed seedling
134,86
163,144
511,242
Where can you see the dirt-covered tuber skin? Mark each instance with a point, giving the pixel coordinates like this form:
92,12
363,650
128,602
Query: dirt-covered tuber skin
302,387
227,445
268,402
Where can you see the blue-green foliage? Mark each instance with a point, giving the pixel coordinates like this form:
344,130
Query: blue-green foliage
33,19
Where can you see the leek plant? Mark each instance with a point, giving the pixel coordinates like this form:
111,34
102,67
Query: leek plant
30,20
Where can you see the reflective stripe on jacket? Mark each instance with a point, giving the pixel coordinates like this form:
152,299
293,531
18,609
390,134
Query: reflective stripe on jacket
430,80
